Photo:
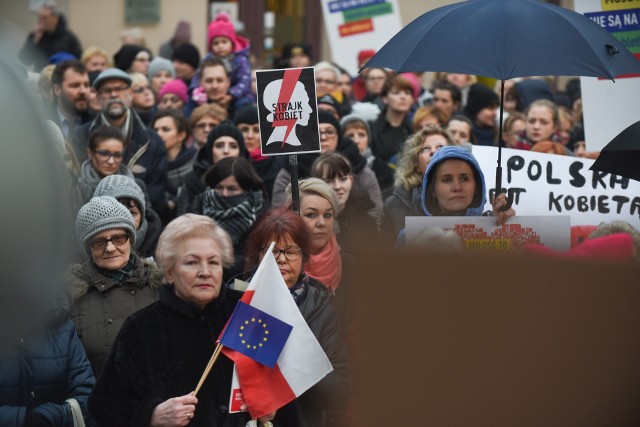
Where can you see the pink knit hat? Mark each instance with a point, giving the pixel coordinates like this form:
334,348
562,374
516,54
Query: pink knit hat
222,27
176,87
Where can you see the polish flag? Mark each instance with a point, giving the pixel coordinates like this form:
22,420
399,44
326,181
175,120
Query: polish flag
302,362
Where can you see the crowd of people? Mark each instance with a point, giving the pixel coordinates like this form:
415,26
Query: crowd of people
173,201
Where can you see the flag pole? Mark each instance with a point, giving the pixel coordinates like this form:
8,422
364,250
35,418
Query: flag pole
295,192
214,356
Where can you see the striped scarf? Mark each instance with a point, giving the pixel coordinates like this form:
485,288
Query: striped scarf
235,214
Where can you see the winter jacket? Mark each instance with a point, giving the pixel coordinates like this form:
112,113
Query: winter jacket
401,204
40,372
147,248
328,398
386,140
161,353
60,40
151,167
101,305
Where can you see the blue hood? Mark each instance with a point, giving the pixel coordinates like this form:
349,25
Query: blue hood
454,153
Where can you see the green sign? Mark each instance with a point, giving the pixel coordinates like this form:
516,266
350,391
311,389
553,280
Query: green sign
367,12
141,11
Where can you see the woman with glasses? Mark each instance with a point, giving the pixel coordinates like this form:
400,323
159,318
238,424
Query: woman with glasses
114,282
105,153
202,121
293,252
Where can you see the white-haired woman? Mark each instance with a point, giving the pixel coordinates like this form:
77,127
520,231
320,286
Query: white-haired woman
161,352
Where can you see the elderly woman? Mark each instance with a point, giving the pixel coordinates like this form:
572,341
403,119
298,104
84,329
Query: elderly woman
146,220
414,159
105,153
113,283
161,352
293,249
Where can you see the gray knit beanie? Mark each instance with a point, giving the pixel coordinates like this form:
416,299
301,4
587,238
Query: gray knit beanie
161,64
100,214
119,186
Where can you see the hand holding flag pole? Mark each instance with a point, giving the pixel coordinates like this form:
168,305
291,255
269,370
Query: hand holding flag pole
214,356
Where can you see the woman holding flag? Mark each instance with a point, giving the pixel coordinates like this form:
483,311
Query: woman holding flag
161,351
325,402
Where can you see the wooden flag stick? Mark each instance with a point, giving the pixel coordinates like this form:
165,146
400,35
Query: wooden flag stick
214,356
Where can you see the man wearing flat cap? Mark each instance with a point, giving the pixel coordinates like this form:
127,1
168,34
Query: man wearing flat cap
145,154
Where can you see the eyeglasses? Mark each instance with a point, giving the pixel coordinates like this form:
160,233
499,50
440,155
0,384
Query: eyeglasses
105,155
291,254
141,89
115,89
328,133
117,240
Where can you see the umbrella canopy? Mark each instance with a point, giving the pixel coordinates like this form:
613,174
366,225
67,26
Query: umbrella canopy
621,156
506,39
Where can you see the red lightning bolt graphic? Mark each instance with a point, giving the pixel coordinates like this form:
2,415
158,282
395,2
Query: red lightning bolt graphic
288,84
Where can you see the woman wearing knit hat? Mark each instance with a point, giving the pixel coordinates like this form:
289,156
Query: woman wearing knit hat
113,282
481,108
105,151
160,71
132,59
186,60
146,220
225,140
172,95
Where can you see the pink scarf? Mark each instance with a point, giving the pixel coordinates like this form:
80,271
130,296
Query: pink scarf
327,265
256,155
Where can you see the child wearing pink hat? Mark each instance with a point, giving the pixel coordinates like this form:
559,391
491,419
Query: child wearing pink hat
172,95
233,51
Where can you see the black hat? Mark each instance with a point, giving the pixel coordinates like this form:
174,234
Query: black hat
290,49
225,128
247,114
330,100
326,117
480,96
125,56
188,54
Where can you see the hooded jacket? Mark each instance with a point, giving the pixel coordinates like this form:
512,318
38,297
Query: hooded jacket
460,153
101,304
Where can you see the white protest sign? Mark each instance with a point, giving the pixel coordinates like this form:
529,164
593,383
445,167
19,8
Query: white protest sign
355,25
609,107
287,111
548,184
480,233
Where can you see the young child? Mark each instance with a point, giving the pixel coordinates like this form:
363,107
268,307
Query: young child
233,51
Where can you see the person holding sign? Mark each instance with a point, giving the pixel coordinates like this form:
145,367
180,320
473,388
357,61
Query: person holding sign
453,185
161,352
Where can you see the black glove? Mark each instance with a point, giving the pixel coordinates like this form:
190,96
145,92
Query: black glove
36,419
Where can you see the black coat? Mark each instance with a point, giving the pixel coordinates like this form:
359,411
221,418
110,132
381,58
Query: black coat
60,40
43,370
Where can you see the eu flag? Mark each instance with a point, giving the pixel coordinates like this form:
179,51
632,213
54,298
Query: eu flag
256,334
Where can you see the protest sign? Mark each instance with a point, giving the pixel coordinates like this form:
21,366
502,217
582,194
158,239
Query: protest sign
355,25
480,233
548,184
287,111
609,107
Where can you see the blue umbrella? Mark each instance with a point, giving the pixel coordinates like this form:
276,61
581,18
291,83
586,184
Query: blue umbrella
506,39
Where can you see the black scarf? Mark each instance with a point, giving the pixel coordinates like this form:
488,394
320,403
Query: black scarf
235,214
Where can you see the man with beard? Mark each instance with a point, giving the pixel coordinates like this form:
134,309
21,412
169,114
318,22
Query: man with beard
145,154
70,84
